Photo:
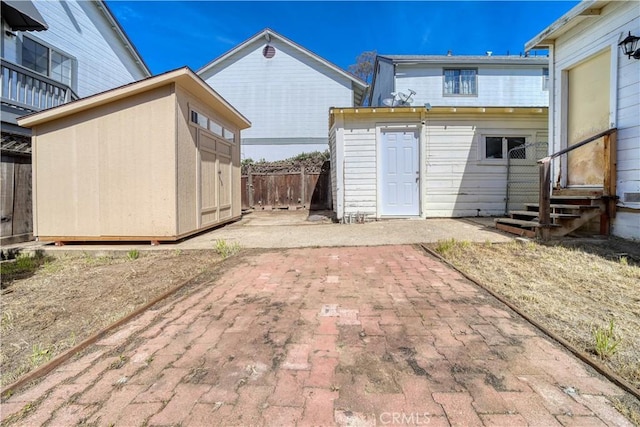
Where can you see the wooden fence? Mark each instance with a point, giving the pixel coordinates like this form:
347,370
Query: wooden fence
16,217
280,187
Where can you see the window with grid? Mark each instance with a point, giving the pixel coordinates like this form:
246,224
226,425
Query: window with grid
497,147
45,60
460,82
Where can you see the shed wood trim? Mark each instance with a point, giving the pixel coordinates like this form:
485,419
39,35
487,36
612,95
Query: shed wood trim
136,238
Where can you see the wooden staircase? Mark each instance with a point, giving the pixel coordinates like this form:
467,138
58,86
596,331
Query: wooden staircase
568,213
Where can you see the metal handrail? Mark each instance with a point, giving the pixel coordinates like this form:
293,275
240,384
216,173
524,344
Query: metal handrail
29,90
578,145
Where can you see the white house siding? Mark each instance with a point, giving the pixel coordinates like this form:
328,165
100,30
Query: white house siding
590,37
497,86
287,97
360,167
458,182
455,182
80,30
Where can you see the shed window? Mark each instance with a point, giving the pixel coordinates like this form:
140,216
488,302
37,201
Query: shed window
199,119
497,147
211,125
215,128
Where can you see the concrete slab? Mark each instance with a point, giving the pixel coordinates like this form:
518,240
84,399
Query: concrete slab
301,228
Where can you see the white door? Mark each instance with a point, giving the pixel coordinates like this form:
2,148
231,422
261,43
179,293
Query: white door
399,173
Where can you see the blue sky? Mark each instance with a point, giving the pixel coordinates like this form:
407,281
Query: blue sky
172,34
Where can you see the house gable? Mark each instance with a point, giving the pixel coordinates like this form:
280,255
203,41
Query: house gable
286,96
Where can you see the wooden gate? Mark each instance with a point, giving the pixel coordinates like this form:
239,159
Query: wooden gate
282,187
17,218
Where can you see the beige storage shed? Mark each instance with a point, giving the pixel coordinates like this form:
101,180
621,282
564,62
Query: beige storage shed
154,160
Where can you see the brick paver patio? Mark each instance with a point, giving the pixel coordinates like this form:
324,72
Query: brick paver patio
330,336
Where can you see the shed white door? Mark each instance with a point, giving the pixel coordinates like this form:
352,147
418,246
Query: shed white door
399,173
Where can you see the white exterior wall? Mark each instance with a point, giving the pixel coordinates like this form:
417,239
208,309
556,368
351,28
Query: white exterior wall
592,36
458,182
80,30
287,98
455,180
497,86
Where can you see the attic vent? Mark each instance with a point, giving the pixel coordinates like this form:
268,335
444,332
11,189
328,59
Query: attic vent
269,51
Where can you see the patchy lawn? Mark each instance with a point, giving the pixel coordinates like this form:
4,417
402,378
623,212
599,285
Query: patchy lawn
51,304
586,291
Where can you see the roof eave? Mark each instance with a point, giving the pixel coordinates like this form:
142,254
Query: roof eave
581,11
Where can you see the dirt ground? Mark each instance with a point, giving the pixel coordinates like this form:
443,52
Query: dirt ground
70,298
574,288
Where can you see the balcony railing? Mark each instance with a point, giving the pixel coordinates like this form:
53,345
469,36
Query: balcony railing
31,91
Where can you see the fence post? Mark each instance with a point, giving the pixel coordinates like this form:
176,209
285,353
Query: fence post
544,205
303,187
250,186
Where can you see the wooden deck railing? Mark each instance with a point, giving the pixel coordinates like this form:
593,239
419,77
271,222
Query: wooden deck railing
609,178
23,88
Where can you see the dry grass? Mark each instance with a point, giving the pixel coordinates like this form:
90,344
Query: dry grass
66,300
573,291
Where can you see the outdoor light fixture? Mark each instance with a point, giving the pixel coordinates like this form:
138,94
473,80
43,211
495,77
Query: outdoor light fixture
629,46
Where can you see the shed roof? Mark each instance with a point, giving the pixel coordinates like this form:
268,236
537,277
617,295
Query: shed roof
185,77
359,85
573,17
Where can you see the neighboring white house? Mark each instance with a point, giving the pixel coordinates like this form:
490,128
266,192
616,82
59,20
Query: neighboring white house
462,81
595,87
52,52
71,49
439,162
285,90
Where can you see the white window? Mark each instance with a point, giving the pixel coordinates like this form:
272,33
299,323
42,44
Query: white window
498,147
215,128
460,82
211,125
48,61
228,135
545,79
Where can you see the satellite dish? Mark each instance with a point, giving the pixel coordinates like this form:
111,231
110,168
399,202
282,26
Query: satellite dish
399,99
